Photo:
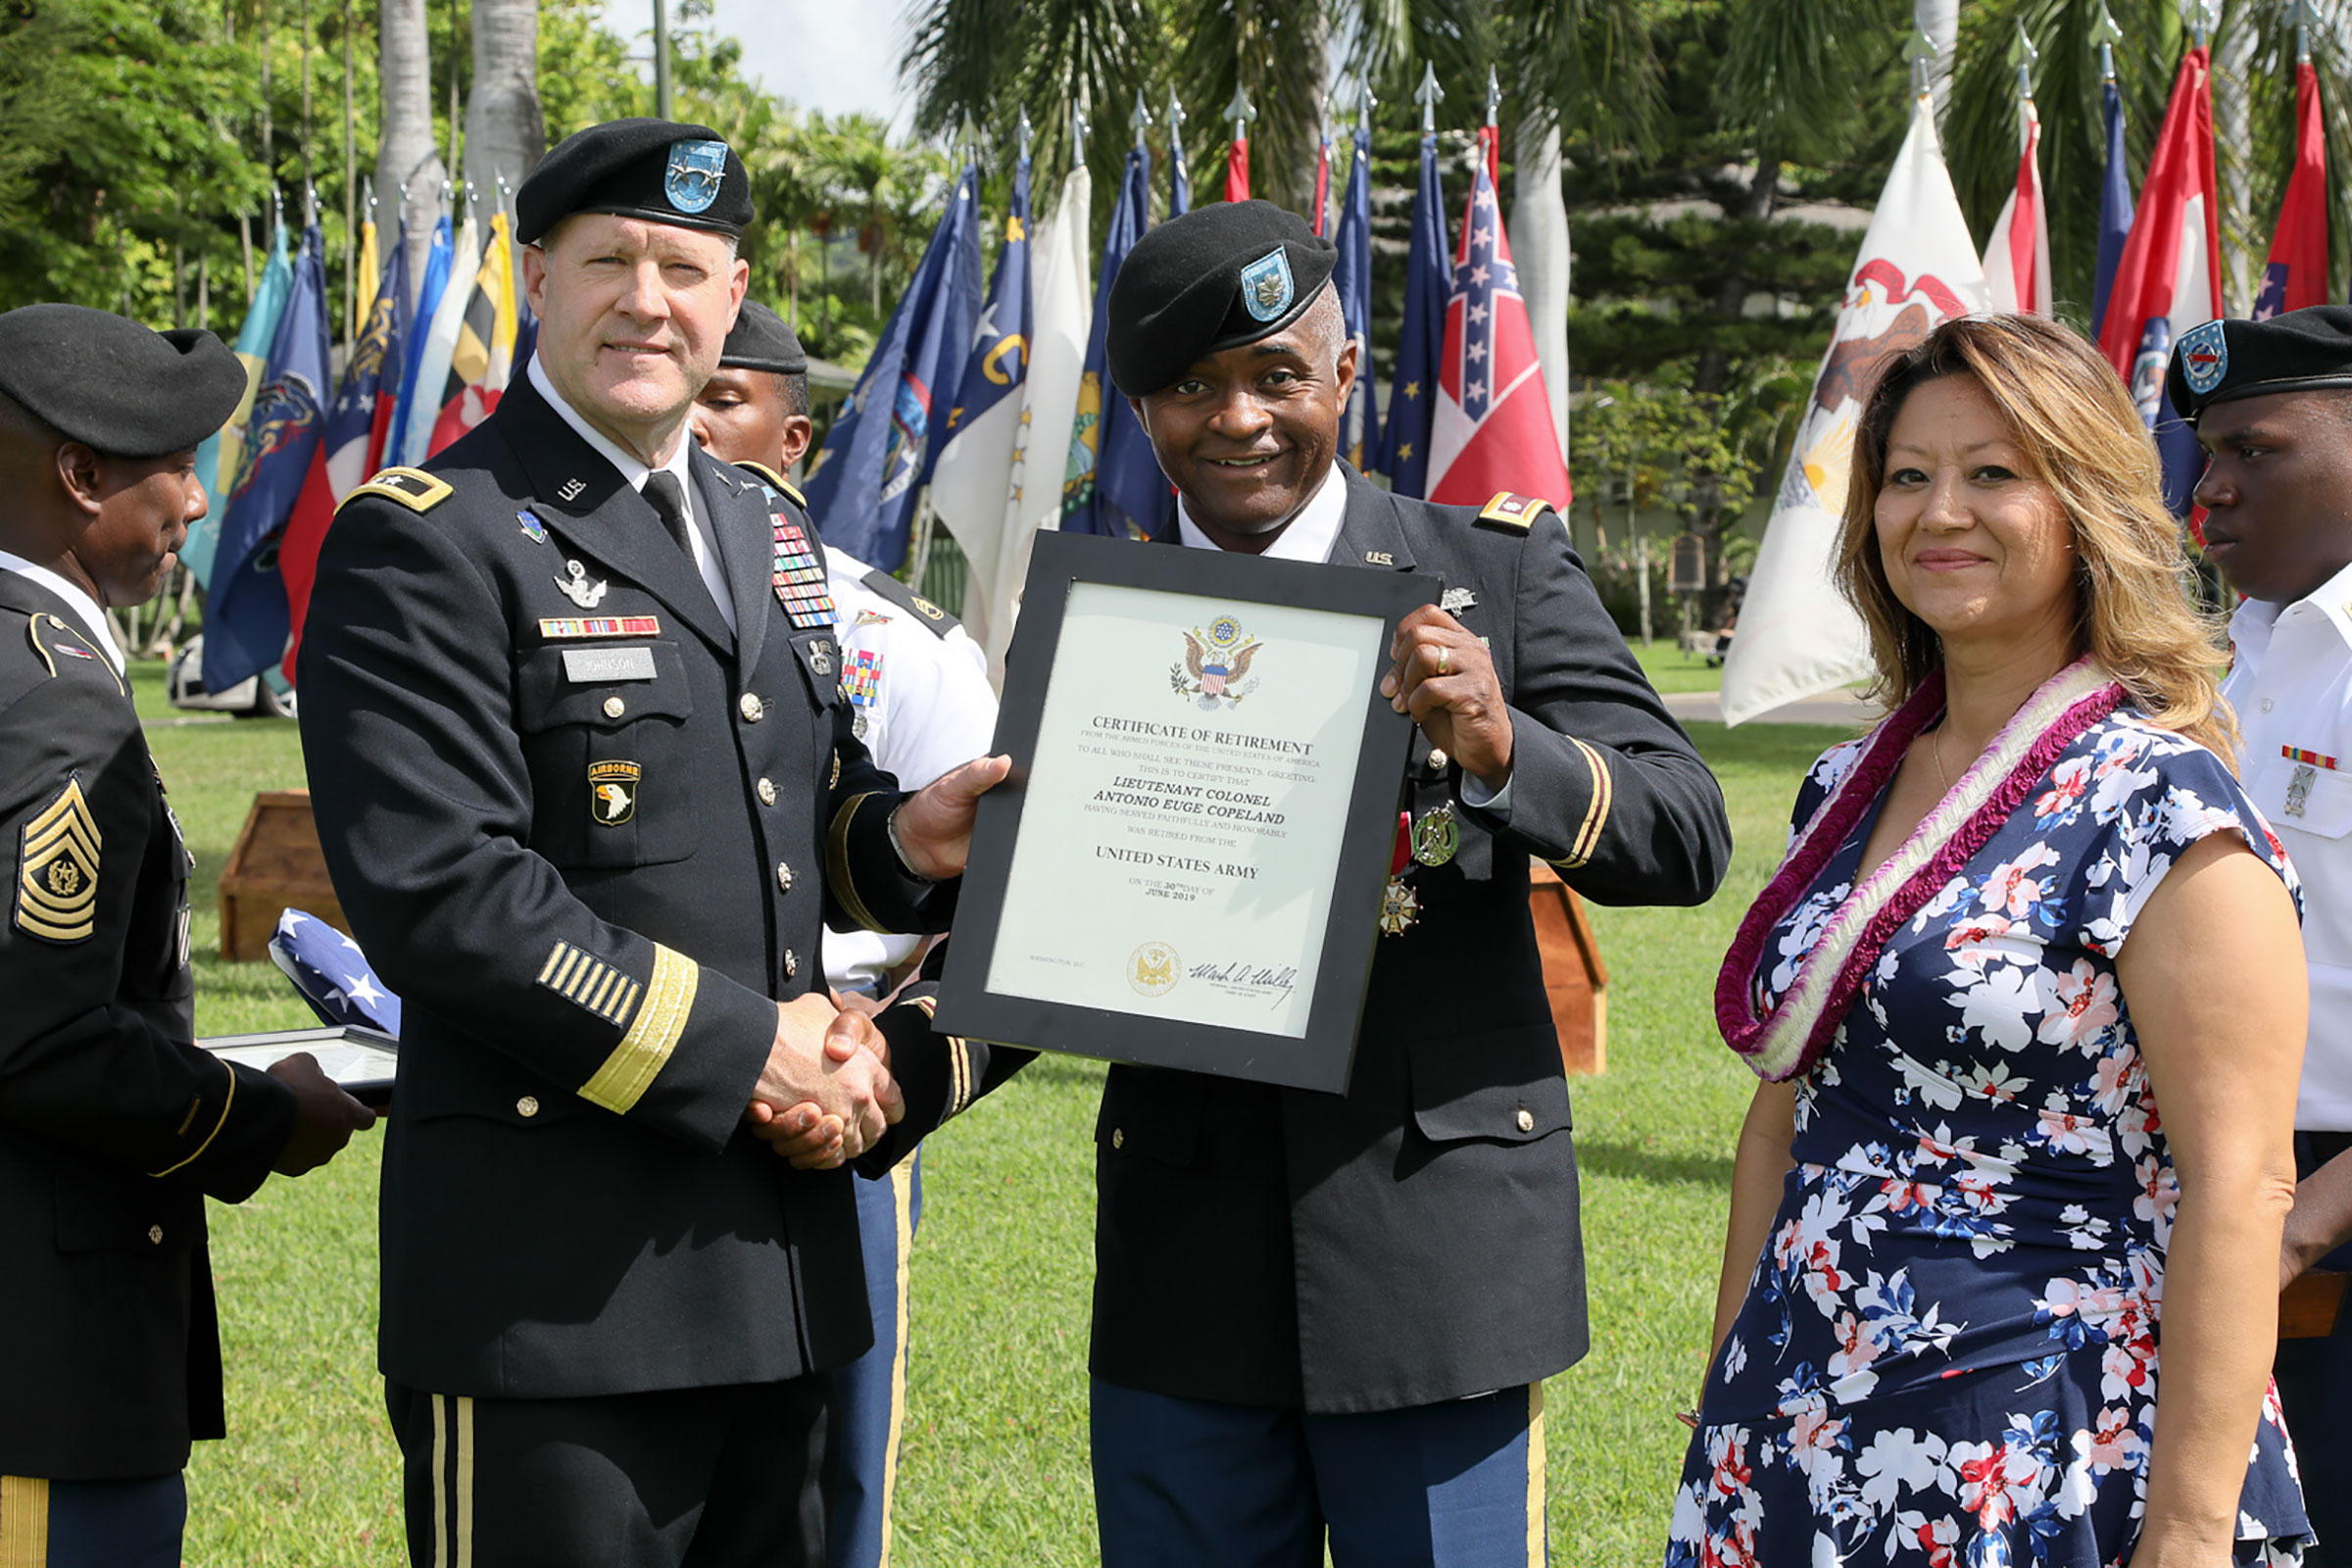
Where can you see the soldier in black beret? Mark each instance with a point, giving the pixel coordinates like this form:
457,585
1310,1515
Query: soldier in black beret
114,1126
2272,402
588,788
1322,1321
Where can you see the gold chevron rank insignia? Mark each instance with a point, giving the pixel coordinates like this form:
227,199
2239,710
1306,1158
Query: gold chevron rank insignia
57,870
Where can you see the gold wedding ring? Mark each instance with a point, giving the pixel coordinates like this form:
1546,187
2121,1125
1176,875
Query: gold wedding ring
1444,660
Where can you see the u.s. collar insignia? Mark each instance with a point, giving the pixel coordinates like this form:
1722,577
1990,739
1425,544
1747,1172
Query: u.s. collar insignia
1457,600
532,528
1379,558
57,869
2204,357
613,791
570,489
1266,286
573,581
696,170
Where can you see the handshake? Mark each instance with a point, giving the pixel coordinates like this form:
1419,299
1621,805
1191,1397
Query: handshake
826,1095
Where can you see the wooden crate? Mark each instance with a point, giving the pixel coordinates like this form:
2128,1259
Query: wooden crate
275,865
1574,976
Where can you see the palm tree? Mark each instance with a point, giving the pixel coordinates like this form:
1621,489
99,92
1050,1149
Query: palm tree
505,132
406,154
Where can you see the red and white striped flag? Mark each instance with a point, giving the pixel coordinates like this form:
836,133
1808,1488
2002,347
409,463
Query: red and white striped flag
1493,430
2017,257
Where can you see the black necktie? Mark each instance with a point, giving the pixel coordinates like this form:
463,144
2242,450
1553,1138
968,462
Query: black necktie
668,500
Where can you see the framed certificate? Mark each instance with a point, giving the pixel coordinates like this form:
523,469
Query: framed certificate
362,1060
1185,868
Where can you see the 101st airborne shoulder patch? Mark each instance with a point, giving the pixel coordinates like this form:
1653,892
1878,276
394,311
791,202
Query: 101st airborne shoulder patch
1514,513
57,869
412,488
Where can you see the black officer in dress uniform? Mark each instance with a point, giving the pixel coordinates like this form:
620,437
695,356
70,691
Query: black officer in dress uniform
114,1126
1323,1317
588,791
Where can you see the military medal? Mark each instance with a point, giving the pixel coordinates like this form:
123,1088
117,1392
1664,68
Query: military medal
574,583
532,528
799,578
862,684
1437,836
2305,774
1457,600
1400,905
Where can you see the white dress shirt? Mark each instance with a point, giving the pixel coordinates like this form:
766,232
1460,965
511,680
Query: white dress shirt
1309,538
84,608
2292,684
634,470
923,707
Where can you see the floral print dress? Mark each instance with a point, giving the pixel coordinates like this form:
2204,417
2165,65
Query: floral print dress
1947,1357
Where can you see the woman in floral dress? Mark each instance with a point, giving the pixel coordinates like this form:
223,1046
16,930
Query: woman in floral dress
2027,998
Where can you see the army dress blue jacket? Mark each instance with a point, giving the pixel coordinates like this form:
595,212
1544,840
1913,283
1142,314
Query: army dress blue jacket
114,1126
592,836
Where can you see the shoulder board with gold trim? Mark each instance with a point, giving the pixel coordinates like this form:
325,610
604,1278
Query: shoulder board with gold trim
412,488
1514,513
926,613
774,481
54,639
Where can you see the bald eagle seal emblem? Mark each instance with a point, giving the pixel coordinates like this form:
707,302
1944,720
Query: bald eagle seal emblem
1216,664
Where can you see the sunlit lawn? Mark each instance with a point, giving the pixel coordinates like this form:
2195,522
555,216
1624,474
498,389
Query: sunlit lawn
994,1466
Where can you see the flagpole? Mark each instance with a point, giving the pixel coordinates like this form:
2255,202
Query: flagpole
1429,96
1180,194
2108,31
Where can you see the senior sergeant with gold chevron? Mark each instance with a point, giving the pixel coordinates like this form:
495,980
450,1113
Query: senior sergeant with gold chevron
588,790
1324,1318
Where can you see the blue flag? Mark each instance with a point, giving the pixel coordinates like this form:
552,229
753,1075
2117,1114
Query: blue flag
876,457
1428,279
1180,183
999,360
245,616
416,329
331,975
1359,425
253,350
1113,485
2115,206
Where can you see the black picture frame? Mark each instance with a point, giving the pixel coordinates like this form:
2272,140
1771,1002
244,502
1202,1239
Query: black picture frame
1324,1057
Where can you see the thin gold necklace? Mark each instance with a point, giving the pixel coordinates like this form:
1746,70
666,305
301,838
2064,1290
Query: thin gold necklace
1935,746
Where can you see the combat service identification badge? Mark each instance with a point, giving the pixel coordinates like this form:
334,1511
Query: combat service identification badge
57,870
613,791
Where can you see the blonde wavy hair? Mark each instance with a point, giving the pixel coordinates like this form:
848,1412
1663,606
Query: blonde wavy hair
2082,438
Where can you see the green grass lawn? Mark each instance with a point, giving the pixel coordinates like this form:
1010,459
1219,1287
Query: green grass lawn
994,1469
1670,669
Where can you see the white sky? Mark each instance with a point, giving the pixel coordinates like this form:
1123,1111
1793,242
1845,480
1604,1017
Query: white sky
833,55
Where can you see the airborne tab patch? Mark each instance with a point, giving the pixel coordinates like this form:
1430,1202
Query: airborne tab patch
412,488
57,869
1516,513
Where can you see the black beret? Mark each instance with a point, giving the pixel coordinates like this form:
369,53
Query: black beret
113,385
2221,361
657,170
761,341
1221,276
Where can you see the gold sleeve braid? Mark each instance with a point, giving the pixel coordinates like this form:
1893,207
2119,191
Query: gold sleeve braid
644,1049
1596,813
838,880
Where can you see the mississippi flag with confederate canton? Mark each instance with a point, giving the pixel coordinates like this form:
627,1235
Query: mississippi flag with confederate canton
1493,430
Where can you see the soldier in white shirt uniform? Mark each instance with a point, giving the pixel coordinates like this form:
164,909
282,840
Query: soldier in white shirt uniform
2272,402
919,687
